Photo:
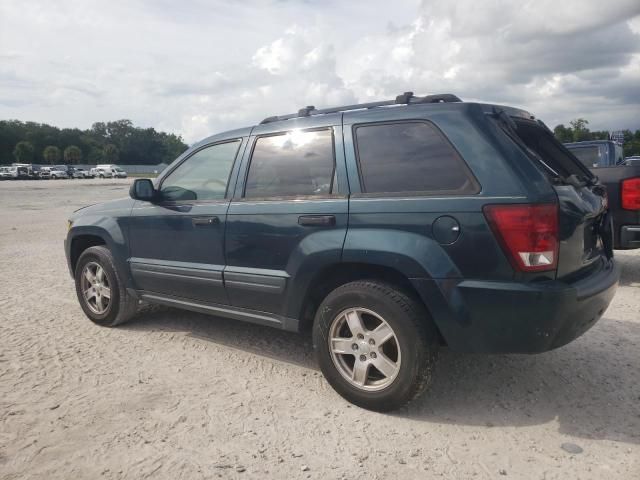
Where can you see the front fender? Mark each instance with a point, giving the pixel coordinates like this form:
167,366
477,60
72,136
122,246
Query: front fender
112,230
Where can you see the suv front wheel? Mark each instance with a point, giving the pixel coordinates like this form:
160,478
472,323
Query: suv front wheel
376,345
101,293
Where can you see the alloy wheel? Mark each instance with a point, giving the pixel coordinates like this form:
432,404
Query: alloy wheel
364,348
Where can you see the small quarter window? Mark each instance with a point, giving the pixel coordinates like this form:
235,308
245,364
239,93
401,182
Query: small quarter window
295,163
410,157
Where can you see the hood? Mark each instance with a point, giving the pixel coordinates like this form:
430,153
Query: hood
116,208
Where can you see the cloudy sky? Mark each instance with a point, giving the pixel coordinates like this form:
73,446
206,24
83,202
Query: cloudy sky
197,67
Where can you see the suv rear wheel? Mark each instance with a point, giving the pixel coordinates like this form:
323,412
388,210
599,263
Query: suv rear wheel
101,293
376,345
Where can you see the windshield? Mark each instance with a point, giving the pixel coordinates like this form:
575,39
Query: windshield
590,157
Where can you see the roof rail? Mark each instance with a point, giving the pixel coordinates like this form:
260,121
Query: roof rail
407,98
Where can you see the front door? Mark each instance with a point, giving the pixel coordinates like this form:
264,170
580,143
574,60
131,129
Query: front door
177,242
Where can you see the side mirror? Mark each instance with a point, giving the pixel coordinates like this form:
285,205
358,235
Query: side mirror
143,189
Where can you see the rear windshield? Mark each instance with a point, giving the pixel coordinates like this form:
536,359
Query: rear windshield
589,156
540,144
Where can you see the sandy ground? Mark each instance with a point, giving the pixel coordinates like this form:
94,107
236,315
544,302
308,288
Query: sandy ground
179,395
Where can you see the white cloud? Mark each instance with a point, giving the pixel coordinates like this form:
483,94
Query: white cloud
201,67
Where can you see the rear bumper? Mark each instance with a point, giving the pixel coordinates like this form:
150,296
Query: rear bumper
629,237
510,317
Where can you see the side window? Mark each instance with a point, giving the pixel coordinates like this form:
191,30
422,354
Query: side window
410,157
295,163
202,176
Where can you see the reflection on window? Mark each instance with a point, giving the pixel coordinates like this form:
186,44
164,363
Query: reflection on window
295,163
203,176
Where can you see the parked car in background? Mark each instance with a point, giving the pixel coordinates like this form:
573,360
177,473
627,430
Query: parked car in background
387,228
100,172
5,173
13,172
23,171
597,153
110,171
621,177
633,160
118,172
45,173
82,173
57,172
36,171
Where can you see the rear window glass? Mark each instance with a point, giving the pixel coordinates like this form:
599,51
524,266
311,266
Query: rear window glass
542,144
294,163
589,156
410,157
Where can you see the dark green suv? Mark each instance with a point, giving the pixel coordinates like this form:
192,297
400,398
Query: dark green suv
388,228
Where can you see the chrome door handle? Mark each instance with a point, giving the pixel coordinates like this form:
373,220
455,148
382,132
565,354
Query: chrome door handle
204,221
317,220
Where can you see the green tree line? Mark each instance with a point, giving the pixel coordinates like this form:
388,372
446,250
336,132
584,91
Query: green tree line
578,131
111,142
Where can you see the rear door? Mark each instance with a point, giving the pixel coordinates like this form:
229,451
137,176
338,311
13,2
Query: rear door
289,210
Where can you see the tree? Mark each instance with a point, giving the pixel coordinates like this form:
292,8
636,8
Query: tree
135,145
51,154
580,130
563,134
110,153
23,152
72,155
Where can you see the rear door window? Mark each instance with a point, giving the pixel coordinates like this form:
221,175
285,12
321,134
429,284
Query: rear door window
292,164
410,157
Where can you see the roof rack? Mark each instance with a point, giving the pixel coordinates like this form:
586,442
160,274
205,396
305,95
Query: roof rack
407,98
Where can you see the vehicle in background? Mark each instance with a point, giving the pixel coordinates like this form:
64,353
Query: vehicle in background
36,171
597,153
45,173
23,171
82,173
111,171
100,172
621,177
58,171
5,173
387,229
118,172
632,160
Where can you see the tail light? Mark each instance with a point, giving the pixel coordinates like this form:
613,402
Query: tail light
528,234
631,193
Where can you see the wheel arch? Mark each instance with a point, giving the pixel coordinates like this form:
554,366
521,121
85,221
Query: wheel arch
79,243
333,276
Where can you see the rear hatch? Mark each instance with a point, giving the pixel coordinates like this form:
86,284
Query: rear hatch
584,225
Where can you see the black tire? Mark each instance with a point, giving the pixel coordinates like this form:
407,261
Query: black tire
414,330
121,306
